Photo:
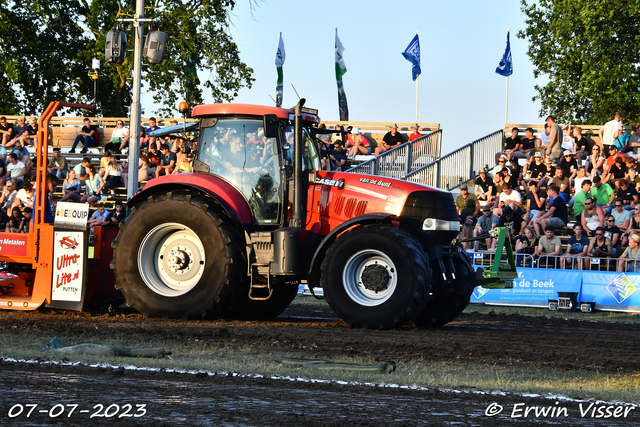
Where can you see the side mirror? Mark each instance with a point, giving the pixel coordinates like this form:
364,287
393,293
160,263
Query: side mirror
271,125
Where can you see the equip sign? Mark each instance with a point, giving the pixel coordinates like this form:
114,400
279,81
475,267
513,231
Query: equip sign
72,214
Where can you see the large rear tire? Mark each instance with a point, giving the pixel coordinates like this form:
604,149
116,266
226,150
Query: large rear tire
375,277
444,308
177,256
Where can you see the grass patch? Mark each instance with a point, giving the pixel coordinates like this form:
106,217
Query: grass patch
455,374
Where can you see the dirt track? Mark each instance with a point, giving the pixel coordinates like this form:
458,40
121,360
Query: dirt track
475,338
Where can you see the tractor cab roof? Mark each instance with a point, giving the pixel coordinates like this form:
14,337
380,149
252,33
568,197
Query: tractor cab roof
209,110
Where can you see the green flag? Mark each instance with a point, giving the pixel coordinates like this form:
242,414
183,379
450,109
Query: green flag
280,57
341,69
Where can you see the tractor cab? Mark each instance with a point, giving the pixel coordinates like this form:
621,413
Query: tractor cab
237,149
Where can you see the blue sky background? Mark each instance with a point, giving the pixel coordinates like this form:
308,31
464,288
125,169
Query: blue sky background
461,44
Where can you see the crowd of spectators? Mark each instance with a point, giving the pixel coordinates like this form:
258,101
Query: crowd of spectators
561,184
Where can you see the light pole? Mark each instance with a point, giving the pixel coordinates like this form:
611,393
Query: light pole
94,74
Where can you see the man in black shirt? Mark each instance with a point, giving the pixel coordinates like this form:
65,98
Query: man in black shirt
536,199
627,194
569,164
536,170
88,135
581,145
390,140
527,144
6,131
483,186
510,145
512,220
557,216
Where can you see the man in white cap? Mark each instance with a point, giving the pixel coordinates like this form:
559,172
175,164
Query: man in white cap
390,140
631,253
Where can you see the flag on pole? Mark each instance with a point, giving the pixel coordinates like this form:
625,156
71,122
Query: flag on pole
341,69
412,54
505,68
280,57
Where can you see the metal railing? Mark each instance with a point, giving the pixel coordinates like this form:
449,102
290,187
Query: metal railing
562,262
452,170
404,159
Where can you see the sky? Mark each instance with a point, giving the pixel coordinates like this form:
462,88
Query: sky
461,45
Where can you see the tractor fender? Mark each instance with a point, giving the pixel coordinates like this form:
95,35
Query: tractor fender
321,250
228,197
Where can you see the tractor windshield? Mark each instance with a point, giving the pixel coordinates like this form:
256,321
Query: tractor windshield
237,150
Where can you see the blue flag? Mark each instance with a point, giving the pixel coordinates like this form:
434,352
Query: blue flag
505,68
412,54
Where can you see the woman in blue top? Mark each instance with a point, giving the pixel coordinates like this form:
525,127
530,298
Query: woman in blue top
577,247
93,185
71,187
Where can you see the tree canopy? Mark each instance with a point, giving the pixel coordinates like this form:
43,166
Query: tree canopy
46,47
588,50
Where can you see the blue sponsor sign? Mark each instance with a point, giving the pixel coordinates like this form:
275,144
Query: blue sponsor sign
533,287
612,291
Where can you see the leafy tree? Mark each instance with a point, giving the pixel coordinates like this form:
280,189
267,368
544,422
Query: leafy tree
588,49
46,47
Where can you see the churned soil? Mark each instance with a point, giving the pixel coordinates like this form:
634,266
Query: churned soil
180,399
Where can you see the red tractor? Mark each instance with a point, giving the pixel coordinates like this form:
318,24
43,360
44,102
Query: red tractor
258,216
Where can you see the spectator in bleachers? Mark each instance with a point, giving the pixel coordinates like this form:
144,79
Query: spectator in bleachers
634,226
26,219
569,165
536,201
185,164
536,170
21,132
7,197
515,171
498,181
568,143
599,247
631,253
622,217
613,233
622,142
415,134
549,172
603,193
549,244
113,175
545,137
487,222
554,150
118,214
537,148
57,164
501,164
526,243
469,211
153,127
104,161
154,161
563,182
143,169
579,179
609,132
627,195
338,158
24,196
461,201
508,197
510,145
358,144
557,216
512,219
616,172
119,138
94,185
23,156
577,247
15,224
32,138
611,158
15,170
591,217
81,168
168,159
99,217
6,132
483,189
88,136
71,188
390,140
580,198
143,139
595,162
527,144
581,148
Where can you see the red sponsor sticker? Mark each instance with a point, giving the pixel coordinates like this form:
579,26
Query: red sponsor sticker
13,244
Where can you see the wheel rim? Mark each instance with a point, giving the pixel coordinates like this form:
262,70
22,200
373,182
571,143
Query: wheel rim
171,259
369,278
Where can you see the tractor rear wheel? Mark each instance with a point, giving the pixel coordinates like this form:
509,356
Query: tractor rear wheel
376,277
176,256
444,308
